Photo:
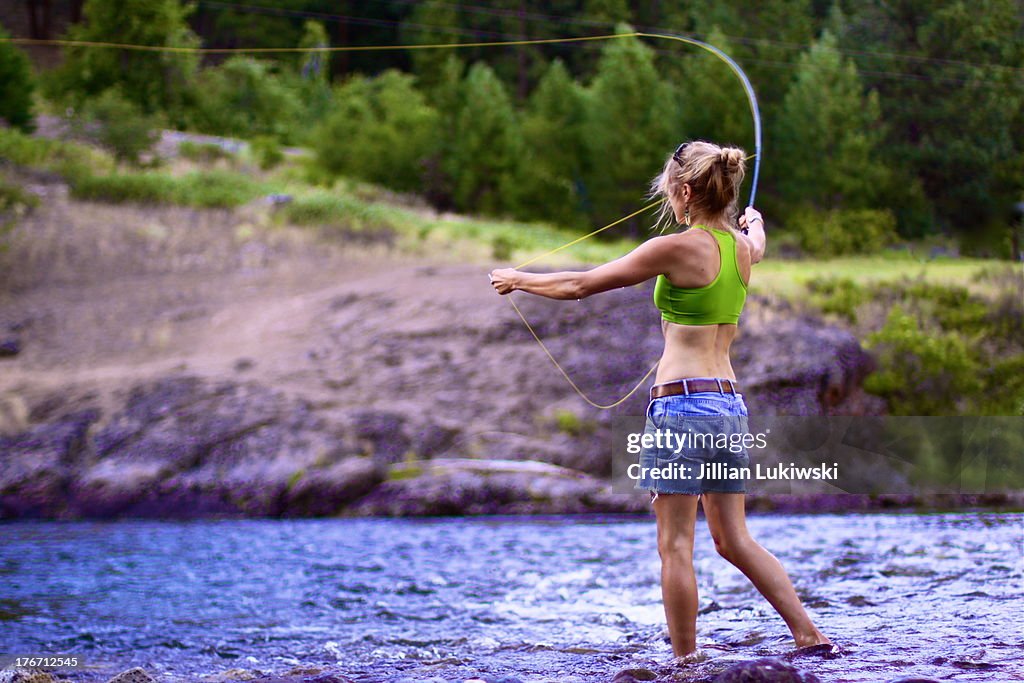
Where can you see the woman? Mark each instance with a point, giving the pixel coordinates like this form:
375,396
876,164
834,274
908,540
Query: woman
701,288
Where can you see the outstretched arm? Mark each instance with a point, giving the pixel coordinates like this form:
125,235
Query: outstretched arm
646,261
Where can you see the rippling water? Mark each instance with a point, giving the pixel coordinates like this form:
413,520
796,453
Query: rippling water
560,599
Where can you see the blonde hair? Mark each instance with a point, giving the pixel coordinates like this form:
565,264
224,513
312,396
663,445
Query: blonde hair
714,175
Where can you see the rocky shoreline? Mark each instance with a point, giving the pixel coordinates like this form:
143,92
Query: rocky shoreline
185,445
490,429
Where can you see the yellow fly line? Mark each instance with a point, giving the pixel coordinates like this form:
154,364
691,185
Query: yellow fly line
451,46
325,48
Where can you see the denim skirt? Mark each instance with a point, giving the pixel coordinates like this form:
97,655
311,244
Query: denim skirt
695,443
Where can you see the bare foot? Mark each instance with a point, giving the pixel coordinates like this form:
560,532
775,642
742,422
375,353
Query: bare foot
816,638
694,657
828,650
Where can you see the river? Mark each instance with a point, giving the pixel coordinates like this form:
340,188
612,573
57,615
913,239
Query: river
554,599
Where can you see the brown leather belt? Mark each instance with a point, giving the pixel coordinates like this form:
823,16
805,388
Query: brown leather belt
692,386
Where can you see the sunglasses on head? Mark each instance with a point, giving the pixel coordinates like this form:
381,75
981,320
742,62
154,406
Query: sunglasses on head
679,150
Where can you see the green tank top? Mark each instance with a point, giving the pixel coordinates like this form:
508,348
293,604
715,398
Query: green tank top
720,301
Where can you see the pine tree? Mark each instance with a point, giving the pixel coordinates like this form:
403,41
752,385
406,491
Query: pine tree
446,97
631,124
547,188
16,86
951,120
155,81
610,11
826,153
431,23
762,37
714,104
484,155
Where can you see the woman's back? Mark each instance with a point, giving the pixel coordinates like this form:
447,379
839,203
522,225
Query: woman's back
706,285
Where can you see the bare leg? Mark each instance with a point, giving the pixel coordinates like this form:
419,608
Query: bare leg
727,521
677,514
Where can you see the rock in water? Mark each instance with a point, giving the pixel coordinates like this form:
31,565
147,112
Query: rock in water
24,675
458,486
634,676
327,678
135,675
325,491
768,670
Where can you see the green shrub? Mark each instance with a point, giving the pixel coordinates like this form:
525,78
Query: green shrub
145,188
266,151
953,307
957,350
1001,274
244,97
501,248
840,232
203,152
922,371
216,189
16,86
155,81
1004,387
318,209
335,210
381,130
841,296
204,189
15,202
24,150
119,125
13,197
1005,319
55,156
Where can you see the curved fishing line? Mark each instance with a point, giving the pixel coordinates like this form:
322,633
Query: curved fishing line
736,69
588,235
755,111
751,96
568,379
325,48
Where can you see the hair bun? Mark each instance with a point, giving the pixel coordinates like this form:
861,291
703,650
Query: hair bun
732,158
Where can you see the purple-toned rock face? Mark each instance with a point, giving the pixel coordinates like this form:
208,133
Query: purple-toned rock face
442,380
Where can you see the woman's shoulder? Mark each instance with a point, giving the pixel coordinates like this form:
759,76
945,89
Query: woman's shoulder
691,238
684,245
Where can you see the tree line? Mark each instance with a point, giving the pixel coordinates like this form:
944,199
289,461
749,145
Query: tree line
882,119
